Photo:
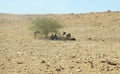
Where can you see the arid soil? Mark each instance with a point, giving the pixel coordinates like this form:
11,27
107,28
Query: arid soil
96,50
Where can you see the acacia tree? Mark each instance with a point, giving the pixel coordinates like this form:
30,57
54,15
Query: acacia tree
46,25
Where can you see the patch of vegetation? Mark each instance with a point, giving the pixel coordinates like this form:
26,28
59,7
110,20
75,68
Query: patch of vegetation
45,26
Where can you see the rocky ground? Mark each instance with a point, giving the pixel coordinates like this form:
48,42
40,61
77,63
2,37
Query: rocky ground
96,50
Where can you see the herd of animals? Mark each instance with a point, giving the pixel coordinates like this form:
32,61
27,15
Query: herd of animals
66,36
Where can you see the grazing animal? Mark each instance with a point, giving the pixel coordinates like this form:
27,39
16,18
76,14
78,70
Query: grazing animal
35,34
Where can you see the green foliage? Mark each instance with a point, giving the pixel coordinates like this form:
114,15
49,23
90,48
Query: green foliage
45,26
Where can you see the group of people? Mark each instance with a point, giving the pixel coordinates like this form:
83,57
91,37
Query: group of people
67,36
54,37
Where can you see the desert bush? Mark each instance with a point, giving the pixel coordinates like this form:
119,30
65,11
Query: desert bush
45,26
108,11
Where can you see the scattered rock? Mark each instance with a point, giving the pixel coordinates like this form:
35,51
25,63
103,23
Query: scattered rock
77,62
111,63
78,67
78,70
20,62
1,64
43,61
103,26
58,69
47,65
115,63
91,63
18,71
103,61
72,67
73,56
89,38
9,59
103,40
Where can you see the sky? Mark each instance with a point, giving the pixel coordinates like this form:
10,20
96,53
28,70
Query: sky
57,6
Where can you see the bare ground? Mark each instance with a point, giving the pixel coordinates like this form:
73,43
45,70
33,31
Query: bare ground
96,50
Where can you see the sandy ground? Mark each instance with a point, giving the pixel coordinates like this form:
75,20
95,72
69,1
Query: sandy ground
96,51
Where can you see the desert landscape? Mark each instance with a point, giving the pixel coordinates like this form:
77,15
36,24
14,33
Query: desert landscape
96,50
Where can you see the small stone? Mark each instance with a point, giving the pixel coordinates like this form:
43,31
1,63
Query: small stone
73,56
58,69
19,62
78,70
43,61
48,65
89,38
72,67
78,67
77,62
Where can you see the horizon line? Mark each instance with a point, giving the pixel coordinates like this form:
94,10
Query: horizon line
58,13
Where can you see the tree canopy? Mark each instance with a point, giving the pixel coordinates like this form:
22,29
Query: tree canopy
46,25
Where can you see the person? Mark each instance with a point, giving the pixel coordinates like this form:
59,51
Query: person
52,37
64,33
68,36
55,37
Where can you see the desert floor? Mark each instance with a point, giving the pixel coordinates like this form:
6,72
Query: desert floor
96,51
